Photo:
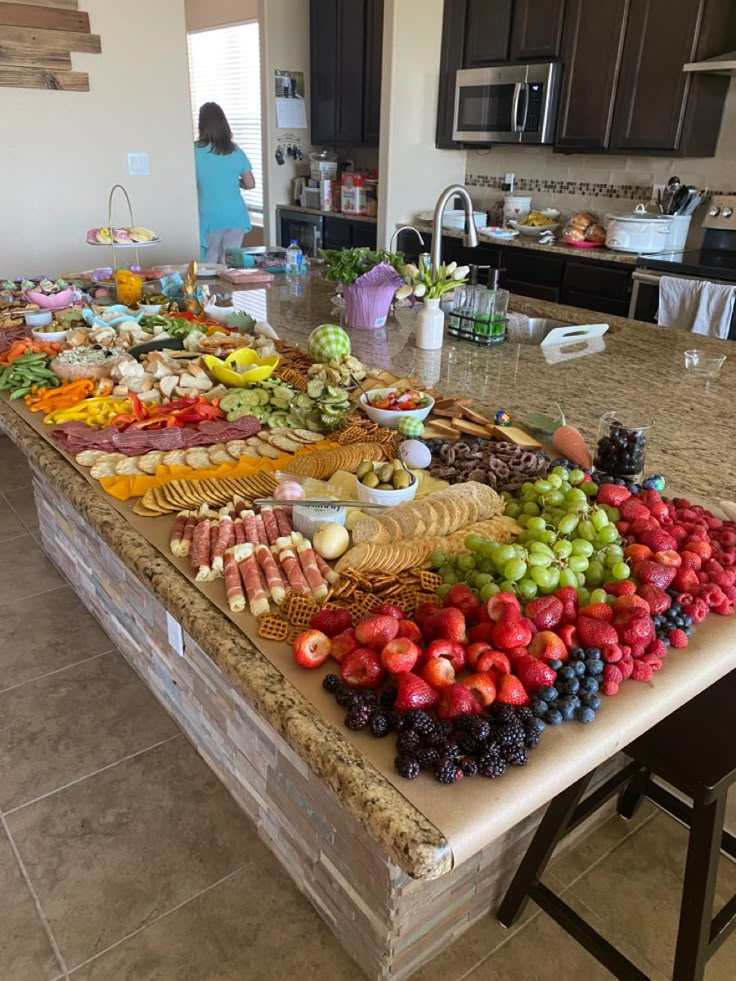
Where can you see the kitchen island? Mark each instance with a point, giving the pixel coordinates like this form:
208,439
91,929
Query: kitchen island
394,868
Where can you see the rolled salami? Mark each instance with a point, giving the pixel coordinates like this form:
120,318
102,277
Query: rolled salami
271,571
201,549
261,532
290,564
251,527
177,533
270,524
283,520
186,541
214,532
233,585
328,573
239,531
225,537
254,590
314,577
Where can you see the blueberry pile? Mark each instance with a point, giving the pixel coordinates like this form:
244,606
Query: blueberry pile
672,619
467,746
622,451
575,692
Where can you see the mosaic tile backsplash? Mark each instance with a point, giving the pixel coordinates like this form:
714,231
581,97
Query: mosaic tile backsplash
530,185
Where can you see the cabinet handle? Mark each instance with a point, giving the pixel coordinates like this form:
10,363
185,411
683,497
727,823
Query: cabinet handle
515,107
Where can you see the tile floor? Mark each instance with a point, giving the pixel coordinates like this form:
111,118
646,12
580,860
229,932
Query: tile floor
122,858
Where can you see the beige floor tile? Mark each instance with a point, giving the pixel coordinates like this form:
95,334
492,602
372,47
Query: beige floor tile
45,633
14,470
10,524
542,951
637,889
25,571
111,853
24,506
25,951
254,926
73,722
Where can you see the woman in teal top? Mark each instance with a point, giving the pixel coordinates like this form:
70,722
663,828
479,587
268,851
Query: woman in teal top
222,170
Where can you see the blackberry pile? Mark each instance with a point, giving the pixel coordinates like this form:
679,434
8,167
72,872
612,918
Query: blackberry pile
450,750
673,619
575,692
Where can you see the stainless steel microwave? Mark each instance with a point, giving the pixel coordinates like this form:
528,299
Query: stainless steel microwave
506,104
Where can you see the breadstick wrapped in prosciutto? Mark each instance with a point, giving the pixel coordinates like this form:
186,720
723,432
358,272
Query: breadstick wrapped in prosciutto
233,585
186,540
271,572
201,552
290,564
270,524
283,521
308,561
251,526
261,531
239,505
223,541
328,573
177,533
254,589
239,531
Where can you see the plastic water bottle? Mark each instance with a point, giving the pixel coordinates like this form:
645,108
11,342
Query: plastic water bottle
294,262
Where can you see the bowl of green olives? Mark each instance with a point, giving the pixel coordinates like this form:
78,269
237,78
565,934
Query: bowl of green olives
385,483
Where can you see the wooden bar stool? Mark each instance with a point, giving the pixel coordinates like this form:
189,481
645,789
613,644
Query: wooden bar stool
692,751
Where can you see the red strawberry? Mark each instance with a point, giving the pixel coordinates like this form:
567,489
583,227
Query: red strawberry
625,607
597,611
612,494
481,632
632,508
659,541
701,548
595,633
331,622
499,604
389,610
637,632
568,635
456,700
482,687
343,643
656,598
685,580
690,560
407,628
447,624
491,660
623,588
511,631
473,652
413,693
545,612
659,575
481,614
534,673
362,668
424,611
568,596
438,673
511,691
548,646
463,598
678,638
669,557
311,648
376,631
450,649
400,654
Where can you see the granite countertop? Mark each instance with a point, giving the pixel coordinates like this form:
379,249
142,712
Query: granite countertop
531,244
639,370
328,214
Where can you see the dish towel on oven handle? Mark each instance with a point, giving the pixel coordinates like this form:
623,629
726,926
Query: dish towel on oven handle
696,305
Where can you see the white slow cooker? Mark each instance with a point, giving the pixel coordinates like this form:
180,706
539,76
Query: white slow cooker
637,230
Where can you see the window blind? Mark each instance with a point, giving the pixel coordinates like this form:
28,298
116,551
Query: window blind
224,67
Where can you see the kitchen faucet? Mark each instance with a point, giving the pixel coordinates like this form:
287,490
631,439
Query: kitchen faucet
404,228
470,239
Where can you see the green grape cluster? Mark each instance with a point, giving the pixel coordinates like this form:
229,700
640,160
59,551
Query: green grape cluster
566,540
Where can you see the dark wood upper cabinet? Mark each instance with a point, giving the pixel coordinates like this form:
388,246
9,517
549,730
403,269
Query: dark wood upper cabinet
487,32
536,30
345,50
451,59
659,108
592,47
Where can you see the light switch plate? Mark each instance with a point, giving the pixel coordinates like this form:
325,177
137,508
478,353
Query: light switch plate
138,165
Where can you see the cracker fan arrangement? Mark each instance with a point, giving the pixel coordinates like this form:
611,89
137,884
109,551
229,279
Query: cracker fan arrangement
457,589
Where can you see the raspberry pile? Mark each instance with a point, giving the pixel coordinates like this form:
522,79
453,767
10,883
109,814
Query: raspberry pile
451,749
575,693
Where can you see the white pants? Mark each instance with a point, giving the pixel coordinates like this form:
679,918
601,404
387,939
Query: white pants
217,242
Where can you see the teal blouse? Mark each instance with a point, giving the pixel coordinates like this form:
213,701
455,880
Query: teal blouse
221,204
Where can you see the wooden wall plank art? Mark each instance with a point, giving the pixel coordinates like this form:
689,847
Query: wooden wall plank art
36,41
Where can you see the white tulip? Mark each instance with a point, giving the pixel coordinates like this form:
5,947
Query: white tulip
411,270
403,291
461,272
451,268
420,289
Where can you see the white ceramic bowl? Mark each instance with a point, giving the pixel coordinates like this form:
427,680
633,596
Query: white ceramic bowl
372,495
220,314
390,418
37,318
52,337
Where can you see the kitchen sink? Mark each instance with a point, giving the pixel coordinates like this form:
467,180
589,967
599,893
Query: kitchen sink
532,331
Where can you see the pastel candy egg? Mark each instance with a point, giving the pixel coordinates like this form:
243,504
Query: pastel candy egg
409,426
328,341
289,490
415,454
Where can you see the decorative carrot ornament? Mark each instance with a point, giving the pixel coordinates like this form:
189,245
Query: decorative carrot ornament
569,441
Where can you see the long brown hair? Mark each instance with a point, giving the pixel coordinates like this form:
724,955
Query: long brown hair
214,129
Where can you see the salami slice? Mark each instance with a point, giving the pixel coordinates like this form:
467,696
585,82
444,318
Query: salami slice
233,585
272,574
